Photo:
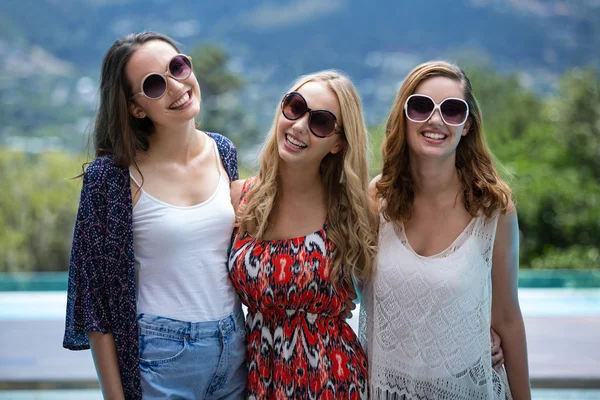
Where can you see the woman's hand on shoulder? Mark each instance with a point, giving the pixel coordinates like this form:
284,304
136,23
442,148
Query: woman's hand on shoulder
236,193
372,194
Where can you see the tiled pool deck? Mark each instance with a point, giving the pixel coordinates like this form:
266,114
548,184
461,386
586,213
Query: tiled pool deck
563,334
94,394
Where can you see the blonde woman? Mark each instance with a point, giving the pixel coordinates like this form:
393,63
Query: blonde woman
448,252
304,231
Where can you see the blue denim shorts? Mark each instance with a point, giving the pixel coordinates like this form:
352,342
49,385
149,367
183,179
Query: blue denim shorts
192,360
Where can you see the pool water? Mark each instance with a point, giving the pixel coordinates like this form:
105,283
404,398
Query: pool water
534,302
564,295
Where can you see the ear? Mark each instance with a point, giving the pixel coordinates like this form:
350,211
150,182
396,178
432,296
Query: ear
339,146
467,126
136,111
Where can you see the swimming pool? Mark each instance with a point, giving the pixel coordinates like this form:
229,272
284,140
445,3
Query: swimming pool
528,278
534,302
563,324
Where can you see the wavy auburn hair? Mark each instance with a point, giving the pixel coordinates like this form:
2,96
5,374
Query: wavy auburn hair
482,188
351,224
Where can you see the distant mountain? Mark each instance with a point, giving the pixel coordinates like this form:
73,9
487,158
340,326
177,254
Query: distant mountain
375,42
297,36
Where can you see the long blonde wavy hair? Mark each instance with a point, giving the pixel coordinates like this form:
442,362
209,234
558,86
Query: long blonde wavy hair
482,188
351,224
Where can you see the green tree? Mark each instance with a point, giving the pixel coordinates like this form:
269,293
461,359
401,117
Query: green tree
549,148
576,112
557,195
566,217
221,109
37,211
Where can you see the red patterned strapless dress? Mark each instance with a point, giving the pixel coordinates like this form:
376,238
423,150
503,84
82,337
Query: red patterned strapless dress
299,345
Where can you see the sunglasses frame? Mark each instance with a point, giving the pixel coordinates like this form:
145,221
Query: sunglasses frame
436,106
164,76
310,114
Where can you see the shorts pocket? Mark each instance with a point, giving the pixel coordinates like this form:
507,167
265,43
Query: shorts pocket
241,327
156,349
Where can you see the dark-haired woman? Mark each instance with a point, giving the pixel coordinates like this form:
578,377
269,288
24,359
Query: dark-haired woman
149,289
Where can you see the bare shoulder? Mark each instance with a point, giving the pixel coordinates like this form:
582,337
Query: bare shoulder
507,231
508,218
236,192
511,207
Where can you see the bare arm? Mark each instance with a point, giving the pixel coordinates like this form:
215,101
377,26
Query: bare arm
104,352
506,313
236,192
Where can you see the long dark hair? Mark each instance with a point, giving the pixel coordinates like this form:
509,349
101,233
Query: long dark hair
116,131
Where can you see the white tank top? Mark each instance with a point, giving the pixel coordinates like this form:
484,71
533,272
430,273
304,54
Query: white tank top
181,256
425,321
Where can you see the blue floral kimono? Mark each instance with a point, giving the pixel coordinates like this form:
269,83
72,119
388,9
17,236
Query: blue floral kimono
102,290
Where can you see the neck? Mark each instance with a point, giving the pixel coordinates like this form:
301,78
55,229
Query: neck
434,177
298,182
179,143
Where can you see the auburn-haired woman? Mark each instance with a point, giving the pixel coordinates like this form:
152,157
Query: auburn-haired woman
448,252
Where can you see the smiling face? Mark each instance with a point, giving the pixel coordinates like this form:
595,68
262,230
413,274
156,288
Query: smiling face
295,142
181,101
433,137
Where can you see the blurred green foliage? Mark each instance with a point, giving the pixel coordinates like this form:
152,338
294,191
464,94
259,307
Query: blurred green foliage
38,204
222,109
550,153
550,147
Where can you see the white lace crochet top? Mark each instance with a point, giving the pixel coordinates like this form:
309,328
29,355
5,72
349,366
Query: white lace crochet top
425,321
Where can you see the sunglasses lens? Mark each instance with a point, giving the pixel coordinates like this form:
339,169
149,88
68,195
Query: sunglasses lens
154,86
180,67
293,106
454,111
418,108
322,123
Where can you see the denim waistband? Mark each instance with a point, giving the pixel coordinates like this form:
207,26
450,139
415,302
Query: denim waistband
174,329
276,313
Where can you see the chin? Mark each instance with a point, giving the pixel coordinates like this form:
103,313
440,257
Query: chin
428,152
283,154
195,108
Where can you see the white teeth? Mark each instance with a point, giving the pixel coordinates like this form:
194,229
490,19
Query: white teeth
295,142
434,136
182,100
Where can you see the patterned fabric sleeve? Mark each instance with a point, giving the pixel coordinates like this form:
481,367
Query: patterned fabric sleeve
248,184
228,154
87,300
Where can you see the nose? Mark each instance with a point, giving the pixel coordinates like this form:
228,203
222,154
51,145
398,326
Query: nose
174,86
436,118
301,124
